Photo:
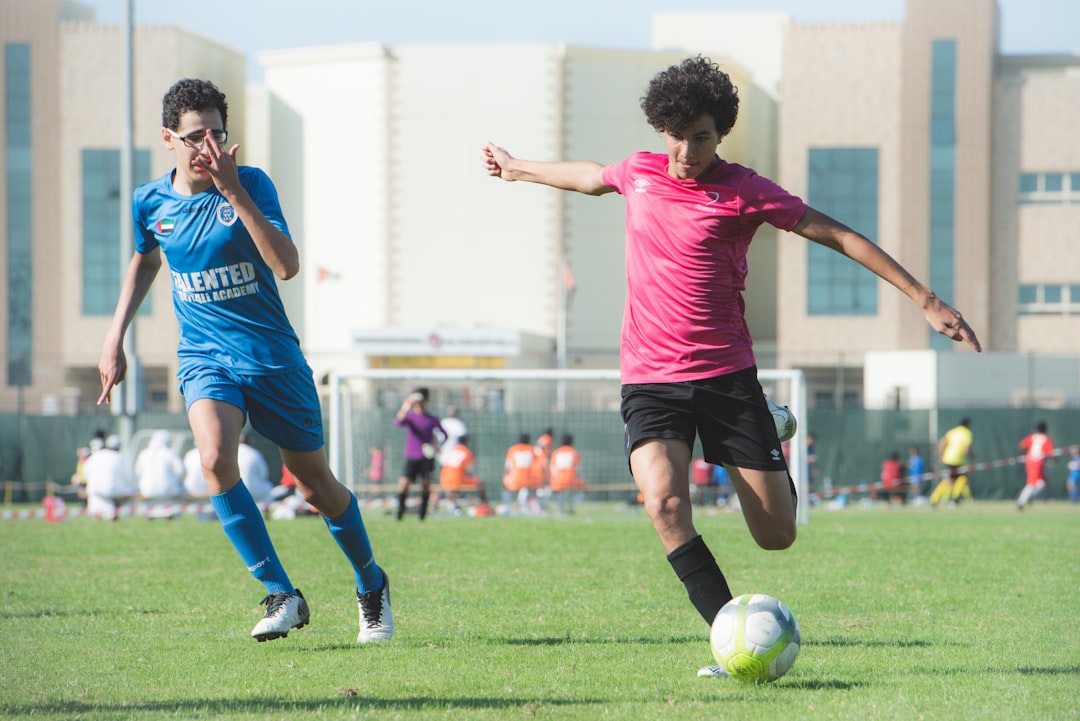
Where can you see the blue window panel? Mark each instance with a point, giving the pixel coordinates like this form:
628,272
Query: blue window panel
1055,182
1029,182
1074,183
18,171
1052,294
1027,294
843,183
103,212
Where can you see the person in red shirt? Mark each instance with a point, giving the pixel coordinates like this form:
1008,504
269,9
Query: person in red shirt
566,481
892,477
1037,449
686,356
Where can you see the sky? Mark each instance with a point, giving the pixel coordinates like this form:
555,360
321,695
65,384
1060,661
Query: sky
250,26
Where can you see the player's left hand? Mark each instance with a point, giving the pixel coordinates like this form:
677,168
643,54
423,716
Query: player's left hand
948,321
220,164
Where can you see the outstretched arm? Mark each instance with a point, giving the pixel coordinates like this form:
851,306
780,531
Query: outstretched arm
584,176
941,316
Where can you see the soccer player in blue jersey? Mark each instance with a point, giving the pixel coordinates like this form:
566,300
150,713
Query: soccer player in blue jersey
221,228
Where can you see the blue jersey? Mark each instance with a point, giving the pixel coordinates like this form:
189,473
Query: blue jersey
224,294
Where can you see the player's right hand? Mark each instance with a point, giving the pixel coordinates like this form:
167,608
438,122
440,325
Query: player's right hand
112,367
495,160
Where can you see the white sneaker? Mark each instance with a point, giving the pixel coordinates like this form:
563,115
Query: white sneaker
713,672
284,612
376,618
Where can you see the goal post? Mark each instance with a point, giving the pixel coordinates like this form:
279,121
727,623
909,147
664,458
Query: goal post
498,405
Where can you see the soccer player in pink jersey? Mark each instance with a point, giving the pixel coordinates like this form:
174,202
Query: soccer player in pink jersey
686,358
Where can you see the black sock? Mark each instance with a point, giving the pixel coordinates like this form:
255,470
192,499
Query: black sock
695,566
401,504
423,505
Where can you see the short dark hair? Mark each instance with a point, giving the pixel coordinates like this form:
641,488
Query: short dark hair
192,94
567,439
1041,426
680,95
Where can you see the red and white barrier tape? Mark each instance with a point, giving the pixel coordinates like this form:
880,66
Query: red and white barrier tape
908,481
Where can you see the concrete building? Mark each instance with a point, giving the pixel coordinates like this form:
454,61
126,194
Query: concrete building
59,196
960,162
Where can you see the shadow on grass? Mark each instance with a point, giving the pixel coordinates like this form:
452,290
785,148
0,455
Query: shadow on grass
348,699
875,642
1049,670
574,640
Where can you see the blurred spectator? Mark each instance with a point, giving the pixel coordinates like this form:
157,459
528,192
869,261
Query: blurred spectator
109,479
160,473
518,474
1072,484
455,429
1037,448
566,481
916,466
194,480
892,478
458,474
253,470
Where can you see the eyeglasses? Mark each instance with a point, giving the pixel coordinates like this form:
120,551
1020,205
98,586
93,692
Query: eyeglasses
196,139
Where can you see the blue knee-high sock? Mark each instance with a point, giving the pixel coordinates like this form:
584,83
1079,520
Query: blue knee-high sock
245,527
349,532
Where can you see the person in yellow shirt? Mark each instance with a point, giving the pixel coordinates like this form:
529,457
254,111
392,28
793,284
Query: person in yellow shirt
954,450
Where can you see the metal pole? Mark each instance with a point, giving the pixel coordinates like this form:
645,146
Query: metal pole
130,390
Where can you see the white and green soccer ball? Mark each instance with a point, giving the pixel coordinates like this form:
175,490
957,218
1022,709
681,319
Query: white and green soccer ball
756,638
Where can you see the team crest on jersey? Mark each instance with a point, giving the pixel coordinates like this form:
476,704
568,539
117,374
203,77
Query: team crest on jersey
226,214
640,185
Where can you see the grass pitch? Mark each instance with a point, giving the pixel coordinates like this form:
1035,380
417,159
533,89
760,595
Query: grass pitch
905,614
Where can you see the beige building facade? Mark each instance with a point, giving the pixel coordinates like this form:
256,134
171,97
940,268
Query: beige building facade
959,161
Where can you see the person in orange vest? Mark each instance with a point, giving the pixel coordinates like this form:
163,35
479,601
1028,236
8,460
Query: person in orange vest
458,473
518,473
541,470
566,481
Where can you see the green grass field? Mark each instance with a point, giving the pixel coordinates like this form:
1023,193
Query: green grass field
905,614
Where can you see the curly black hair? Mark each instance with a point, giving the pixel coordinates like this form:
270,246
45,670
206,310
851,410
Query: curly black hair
192,94
678,96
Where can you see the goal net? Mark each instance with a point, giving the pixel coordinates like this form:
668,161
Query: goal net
498,406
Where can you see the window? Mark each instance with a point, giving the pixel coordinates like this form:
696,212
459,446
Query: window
942,175
843,184
102,211
1048,299
1049,188
20,231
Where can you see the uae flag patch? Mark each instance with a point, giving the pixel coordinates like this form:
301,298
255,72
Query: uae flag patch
164,227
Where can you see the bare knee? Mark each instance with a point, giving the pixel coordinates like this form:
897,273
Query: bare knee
217,465
775,538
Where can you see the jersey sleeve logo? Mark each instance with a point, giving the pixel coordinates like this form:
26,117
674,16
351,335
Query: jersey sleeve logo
164,227
226,214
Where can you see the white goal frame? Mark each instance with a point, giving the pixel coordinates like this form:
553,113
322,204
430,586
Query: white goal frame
339,434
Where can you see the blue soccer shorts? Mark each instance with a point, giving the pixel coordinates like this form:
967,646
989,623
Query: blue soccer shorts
283,407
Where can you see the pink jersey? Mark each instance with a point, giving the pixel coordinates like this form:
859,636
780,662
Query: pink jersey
686,244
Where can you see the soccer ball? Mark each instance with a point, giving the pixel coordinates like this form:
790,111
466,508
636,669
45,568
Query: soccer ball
756,638
784,420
